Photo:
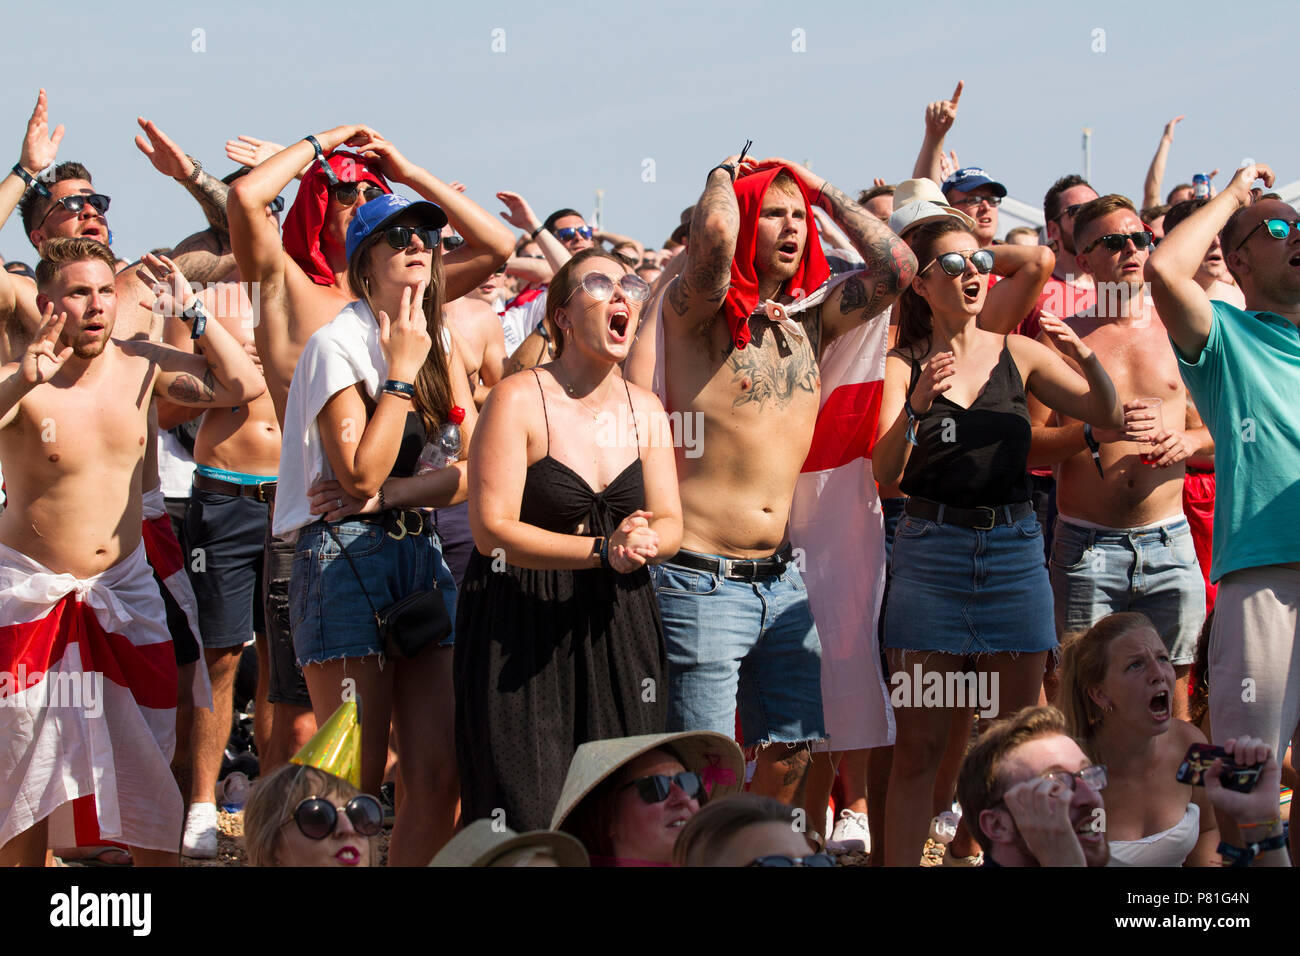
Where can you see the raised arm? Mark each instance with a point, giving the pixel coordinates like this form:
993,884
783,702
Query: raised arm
1182,303
1156,173
170,160
1024,270
639,366
693,297
531,270
939,117
1090,398
520,215
488,243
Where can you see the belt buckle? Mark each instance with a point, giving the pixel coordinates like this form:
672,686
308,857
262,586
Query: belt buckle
993,518
261,491
742,569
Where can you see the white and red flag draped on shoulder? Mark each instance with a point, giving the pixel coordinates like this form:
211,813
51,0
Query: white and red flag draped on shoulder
87,706
163,552
837,524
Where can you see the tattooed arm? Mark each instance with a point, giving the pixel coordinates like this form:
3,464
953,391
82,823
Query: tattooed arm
205,257
170,160
693,297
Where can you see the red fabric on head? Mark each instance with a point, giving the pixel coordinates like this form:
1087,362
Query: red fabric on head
742,297
306,217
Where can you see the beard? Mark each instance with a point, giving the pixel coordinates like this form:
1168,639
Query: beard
85,350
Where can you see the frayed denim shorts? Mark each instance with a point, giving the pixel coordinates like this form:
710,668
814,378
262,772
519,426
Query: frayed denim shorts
328,610
966,591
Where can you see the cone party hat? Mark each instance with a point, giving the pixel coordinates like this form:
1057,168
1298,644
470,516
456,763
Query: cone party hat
336,747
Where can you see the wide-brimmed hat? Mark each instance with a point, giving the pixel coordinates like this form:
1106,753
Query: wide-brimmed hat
916,200
381,212
715,757
481,842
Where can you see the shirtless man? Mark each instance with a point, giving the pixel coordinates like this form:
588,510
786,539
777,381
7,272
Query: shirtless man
735,612
1121,541
74,421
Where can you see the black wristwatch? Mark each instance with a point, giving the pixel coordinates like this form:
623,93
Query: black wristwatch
536,232
729,167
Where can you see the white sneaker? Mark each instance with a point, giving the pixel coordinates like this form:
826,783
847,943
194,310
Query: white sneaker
200,840
851,834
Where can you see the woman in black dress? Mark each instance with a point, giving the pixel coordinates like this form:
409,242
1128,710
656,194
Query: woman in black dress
573,489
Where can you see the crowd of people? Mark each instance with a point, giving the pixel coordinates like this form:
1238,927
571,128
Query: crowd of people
830,525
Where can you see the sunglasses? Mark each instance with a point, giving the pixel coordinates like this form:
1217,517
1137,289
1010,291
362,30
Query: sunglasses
656,787
276,205
345,194
600,287
1115,241
954,263
567,233
317,818
973,201
1071,211
399,237
74,204
1277,228
817,859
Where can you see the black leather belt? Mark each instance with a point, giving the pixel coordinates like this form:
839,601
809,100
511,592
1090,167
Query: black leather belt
398,522
263,491
736,569
980,519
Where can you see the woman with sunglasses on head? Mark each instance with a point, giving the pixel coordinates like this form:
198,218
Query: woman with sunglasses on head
628,799
373,388
302,816
573,490
969,588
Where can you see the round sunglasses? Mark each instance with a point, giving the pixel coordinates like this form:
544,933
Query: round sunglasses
77,202
656,787
1277,228
399,237
317,818
600,287
954,263
1116,241
817,859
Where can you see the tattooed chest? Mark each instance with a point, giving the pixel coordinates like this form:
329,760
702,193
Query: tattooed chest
779,371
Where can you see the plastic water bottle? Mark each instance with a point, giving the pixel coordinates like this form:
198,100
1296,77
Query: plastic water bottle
234,793
1200,186
944,827
445,446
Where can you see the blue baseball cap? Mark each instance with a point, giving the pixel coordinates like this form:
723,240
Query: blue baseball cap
379,213
972,177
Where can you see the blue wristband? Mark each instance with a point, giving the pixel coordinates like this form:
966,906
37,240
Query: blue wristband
400,389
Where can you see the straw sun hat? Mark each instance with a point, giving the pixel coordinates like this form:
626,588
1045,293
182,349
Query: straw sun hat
480,843
716,757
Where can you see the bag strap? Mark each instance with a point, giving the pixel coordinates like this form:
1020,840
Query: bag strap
365,594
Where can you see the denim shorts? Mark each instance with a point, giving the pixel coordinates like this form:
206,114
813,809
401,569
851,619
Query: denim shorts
965,591
1095,573
329,614
750,645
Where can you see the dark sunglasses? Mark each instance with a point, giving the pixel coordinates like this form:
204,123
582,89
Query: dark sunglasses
276,205
954,263
567,233
600,287
1277,228
656,787
817,859
973,201
345,194
316,818
77,202
399,237
1115,241
1071,210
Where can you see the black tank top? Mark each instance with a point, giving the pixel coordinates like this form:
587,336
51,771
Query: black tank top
969,457
408,454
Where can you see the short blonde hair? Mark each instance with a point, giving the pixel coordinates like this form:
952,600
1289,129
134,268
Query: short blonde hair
57,253
271,804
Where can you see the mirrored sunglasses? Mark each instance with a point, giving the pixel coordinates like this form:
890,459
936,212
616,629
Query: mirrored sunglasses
1277,228
567,233
954,263
601,287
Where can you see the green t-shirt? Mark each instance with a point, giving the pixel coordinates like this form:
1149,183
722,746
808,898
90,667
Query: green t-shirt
1246,385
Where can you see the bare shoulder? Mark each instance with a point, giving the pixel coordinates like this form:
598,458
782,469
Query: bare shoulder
1183,734
644,399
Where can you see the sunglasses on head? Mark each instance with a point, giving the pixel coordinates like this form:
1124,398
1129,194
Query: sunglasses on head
656,787
568,232
954,263
77,202
1277,228
817,859
1115,241
317,818
399,237
601,287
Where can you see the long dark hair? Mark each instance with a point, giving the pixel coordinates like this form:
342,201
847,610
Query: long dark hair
915,320
433,398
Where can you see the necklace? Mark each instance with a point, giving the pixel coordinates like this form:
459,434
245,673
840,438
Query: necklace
572,393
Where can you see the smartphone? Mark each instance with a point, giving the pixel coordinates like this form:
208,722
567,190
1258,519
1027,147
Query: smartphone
1199,759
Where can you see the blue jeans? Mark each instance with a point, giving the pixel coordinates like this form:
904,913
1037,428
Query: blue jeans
330,612
746,644
1095,573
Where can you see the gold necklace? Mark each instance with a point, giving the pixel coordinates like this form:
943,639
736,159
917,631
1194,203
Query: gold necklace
595,412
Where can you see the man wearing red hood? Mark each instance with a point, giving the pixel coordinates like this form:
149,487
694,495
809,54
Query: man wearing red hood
735,612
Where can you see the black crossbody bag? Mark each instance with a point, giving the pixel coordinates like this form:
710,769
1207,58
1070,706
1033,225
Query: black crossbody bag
407,626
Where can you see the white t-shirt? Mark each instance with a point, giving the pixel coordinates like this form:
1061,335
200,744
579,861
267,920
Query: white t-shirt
337,356
175,466
518,323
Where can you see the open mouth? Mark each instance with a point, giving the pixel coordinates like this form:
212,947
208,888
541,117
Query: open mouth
1159,705
971,290
1087,831
618,321
788,248
677,824
348,856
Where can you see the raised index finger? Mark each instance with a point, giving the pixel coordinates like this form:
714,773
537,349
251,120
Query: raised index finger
956,94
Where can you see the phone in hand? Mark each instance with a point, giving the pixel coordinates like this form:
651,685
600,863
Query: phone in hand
1200,757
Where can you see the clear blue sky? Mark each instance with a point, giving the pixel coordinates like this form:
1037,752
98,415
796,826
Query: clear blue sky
585,92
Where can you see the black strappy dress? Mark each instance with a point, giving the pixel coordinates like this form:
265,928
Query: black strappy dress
547,660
